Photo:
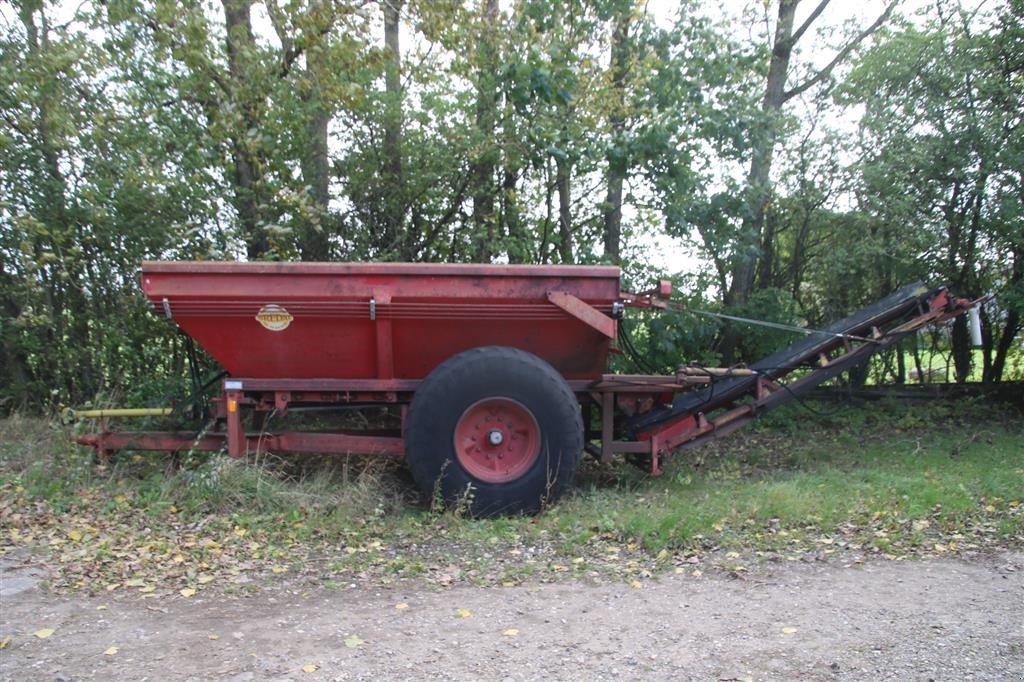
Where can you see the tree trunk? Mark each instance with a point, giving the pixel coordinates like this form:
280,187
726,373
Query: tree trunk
563,173
484,246
394,242
313,244
247,170
1012,324
617,162
751,240
518,249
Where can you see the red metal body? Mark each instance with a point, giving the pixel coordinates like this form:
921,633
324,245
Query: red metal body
384,320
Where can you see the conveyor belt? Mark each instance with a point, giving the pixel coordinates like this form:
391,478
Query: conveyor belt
894,308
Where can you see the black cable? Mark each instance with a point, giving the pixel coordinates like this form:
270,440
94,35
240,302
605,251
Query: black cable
627,342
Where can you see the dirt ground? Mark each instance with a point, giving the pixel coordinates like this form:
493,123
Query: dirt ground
936,619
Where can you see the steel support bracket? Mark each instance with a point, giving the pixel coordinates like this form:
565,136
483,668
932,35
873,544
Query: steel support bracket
584,312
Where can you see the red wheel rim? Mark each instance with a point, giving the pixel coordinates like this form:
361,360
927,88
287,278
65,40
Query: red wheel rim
497,440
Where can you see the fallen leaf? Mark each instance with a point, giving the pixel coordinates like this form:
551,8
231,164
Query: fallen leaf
213,637
310,668
44,633
4,643
353,642
75,535
110,651
204,578
147,589
636,584
789,630
101,607
278,569
186,592
401,606
511,632
463,613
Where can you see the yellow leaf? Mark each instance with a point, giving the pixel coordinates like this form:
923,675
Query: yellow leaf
186,592
278,569
147,589
135,582
636,584
213,637
101,607
402,606
463,613
511,632
353,642
788,630
75,535
240,532
940,547
204,578
310,668
111,651
5,642
178,558
732,555
44,633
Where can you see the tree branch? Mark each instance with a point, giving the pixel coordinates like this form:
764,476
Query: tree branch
841,55
807,23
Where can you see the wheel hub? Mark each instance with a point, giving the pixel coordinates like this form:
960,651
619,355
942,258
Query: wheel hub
497,440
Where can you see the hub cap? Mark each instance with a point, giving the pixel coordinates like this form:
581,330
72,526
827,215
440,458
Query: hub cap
497,440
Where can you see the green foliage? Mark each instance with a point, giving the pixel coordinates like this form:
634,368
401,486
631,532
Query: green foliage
179,130
941,128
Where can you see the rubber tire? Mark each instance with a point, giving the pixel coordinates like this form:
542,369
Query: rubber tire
489,372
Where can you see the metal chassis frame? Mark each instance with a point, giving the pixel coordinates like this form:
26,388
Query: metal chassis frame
276,396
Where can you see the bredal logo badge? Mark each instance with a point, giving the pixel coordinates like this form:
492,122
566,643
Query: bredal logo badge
274,317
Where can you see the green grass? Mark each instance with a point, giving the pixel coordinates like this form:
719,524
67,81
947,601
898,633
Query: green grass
886,479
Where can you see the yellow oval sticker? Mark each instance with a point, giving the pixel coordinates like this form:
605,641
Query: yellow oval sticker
274,317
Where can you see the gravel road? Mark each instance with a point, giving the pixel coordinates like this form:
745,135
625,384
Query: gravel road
935,619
